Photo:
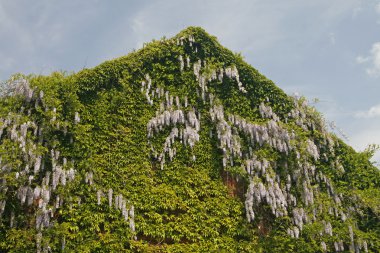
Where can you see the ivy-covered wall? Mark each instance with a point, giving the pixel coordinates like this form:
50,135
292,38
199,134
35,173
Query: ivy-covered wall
178,147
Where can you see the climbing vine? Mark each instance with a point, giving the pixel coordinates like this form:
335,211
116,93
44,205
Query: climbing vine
178,147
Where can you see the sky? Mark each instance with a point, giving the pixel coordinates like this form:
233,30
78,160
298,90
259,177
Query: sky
324,49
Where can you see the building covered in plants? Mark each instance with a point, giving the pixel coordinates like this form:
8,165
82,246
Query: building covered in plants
180,146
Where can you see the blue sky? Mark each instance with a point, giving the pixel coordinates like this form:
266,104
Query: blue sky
325,49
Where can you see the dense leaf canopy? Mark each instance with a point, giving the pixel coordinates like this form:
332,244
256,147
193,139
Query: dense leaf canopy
180,146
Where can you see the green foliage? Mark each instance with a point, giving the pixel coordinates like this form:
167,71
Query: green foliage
193,204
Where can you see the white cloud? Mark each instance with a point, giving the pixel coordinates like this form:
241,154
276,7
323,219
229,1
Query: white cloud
360,59
375,55
365,137
40,37
373,59
377,8
372,112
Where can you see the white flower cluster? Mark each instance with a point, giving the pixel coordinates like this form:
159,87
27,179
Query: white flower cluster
168,116
43,218
110,195
24,89
38,243
329,142
193,120
197,68
18,133
132,219
337,199
351,233
217,113
58,202
249,202
119,202
54,115
146,88
255,166
17,87
294,232
181,63
271,133
181,41
328,228
321,178
234,74
288,182
190,136
334,210
169,141
309,170
2,207
339,166
267,112
204,88
89,178
339,246
12,219
59,174
324,246
343,216
170,101
312,149
31,193
299,217
214,74
99,195
276,198
4,123
358,245
165,119
76,118
151,92
307,194
228,142
42,195
187,135
221,74
21,87
37,164
299,114
25,192
306,117
272,194
59,125
365,246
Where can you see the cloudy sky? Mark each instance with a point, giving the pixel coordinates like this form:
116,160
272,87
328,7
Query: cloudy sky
325,49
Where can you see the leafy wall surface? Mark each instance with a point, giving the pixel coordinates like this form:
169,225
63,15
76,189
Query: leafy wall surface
178,147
